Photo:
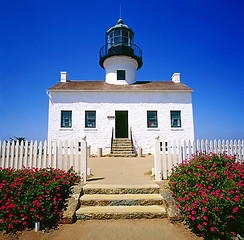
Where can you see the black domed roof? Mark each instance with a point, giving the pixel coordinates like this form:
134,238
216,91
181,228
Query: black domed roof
120,25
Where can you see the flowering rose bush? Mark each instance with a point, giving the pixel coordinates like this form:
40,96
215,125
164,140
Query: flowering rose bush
31,195
209,192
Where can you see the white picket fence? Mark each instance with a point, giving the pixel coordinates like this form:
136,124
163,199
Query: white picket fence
169,153
59,155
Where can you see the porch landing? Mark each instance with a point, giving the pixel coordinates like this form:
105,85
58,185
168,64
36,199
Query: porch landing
121,170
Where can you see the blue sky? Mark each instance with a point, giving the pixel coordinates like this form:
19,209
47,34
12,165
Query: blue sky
203,40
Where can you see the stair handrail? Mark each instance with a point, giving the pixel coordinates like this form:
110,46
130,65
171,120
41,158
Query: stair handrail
112,138
131,138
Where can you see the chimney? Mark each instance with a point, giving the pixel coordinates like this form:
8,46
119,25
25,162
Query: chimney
176,77
64,77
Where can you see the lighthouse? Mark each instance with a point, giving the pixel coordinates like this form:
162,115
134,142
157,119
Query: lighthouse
120,114
120,56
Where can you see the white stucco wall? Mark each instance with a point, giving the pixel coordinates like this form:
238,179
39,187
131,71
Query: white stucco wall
112,64
106,103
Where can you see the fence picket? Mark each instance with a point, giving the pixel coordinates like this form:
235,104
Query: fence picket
235,150
202,146
44,162
39,164
184,150
231,148
3,154
179,152
169,158
55,152
215,147
60,155
31,155
194,150
174,154
239,150
165,172
16,161
26,148
189,150
21,154
71,154
66,155
12,154
219,147
8,154
198,146
76,156
227,144
50,153
35,155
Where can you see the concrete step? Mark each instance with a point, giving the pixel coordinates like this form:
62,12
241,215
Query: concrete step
122,152
121,199
120,212
121,189
121,155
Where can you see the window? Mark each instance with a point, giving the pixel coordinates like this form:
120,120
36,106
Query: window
152,120
66,119
120,74
90,121
175,119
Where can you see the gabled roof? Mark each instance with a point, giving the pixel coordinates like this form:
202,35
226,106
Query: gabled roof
103,86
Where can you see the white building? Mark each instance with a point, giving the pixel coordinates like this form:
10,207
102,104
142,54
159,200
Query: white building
120,107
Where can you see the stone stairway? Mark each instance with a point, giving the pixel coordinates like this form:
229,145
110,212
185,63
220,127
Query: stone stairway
122,147
121,202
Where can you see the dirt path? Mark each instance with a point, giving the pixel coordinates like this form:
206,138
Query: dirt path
156,229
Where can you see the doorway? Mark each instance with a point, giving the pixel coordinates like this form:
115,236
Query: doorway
121,124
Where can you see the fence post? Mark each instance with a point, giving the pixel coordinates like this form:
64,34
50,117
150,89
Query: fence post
157,159
84,158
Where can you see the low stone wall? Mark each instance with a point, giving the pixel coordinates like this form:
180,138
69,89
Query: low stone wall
173,213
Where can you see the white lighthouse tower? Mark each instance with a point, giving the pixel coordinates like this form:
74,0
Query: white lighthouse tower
120,56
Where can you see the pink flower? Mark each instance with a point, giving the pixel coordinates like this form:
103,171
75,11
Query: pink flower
199,226
212,229
10,215
216,209
205,223
204,209
205,218
235,209
24,223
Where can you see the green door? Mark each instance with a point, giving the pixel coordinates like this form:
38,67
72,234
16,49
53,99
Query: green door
121,124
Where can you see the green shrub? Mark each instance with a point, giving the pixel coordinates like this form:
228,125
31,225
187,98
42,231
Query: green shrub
31,195
209,192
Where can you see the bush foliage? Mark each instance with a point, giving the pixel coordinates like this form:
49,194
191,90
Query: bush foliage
209,192
31,195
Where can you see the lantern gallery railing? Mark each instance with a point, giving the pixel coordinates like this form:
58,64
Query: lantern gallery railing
121,48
